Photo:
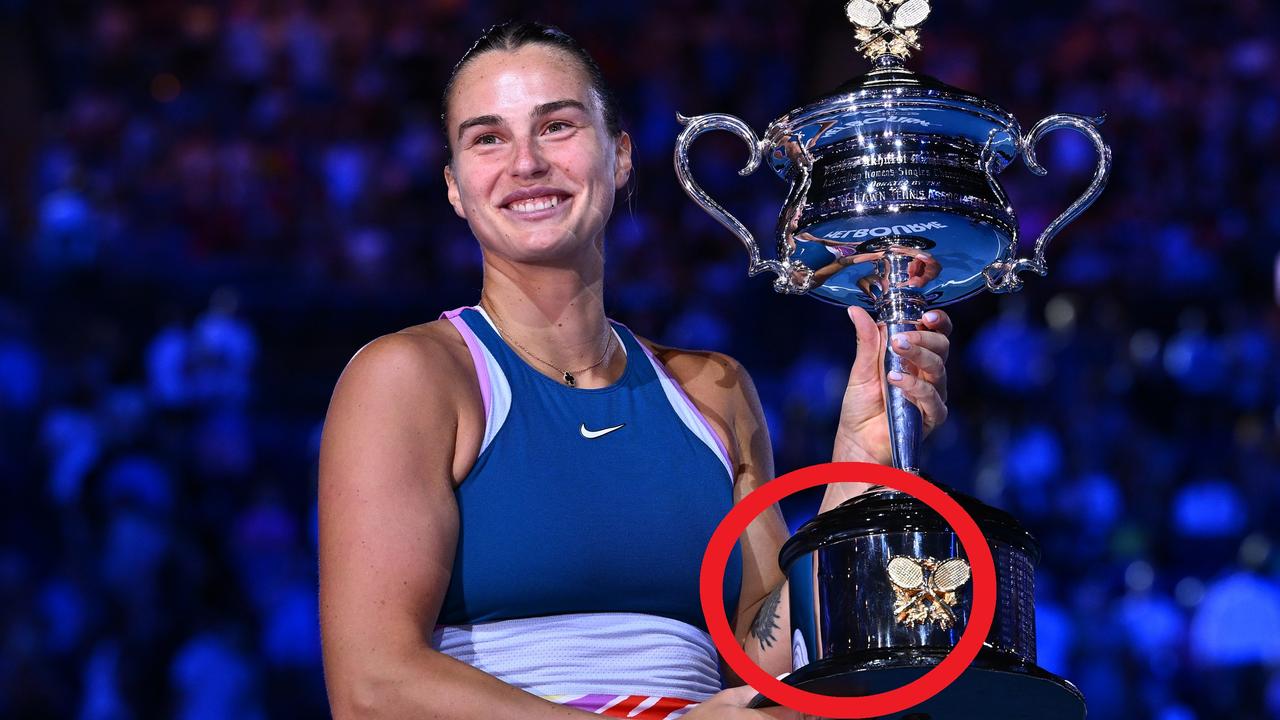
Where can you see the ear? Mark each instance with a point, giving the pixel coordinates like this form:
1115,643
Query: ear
622,160
455,198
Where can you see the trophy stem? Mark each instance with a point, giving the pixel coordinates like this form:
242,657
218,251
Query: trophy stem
900,309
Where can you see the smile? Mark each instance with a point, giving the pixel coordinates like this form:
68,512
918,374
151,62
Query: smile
537,207
532,204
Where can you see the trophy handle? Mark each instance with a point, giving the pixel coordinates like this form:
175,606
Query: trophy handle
798,277
695,126
1003,276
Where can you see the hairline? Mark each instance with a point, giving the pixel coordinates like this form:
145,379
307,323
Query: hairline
595,93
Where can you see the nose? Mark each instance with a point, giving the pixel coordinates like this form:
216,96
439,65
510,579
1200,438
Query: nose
528,160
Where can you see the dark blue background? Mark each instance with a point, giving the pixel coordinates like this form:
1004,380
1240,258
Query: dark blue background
208,207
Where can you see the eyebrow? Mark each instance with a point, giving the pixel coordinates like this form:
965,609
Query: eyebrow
548,108
481,120
540,110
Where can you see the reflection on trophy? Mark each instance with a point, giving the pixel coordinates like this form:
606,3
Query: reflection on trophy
895,205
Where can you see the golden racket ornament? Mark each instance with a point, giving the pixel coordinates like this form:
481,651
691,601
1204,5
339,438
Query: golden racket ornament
925,589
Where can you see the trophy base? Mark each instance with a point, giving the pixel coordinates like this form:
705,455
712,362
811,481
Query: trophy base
996,685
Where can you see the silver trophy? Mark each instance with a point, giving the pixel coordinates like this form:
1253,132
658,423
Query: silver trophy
895,205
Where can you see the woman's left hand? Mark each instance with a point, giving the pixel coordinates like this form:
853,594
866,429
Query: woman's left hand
863,434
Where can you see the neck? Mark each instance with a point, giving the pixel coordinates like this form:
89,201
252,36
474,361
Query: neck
556,313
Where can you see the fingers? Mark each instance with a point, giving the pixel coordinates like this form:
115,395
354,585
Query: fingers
868,331
781,713
937,321
866,364
924,396
935,342
926,352
786,713
922,347
731,704
733,697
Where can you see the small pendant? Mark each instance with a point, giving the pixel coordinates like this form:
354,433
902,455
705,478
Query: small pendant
568,379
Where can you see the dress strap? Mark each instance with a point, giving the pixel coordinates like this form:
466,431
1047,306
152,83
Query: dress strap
684,408
495,389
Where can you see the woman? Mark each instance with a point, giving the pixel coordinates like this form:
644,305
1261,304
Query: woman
514,499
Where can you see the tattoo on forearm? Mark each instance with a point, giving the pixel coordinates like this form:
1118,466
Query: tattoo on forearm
767,619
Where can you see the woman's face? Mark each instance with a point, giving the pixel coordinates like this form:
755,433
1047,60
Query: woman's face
534,169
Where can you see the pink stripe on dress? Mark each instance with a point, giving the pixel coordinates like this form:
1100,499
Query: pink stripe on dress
694,408
477,357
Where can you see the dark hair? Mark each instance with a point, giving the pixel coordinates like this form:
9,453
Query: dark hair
513,35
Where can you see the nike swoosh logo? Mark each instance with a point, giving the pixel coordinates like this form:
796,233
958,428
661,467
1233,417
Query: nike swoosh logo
593,434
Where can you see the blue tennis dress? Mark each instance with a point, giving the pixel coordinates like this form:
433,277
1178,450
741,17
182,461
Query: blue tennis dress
582,528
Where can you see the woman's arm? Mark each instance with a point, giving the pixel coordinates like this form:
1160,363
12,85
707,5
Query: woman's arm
723,392
862,436
388,530
763,622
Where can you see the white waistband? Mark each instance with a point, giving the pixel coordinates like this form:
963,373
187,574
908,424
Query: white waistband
615,653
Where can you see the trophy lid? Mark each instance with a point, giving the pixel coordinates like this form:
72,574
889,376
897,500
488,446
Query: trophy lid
883,511
891,98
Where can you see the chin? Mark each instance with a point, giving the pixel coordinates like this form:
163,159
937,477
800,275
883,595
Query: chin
550,248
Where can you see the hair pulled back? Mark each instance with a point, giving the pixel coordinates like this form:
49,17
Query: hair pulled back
513,35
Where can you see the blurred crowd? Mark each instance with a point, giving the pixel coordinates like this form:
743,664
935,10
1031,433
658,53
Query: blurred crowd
209,206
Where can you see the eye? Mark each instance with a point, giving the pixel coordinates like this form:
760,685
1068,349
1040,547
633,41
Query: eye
487,139
555,125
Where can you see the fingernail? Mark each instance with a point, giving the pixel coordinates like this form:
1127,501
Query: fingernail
895,375
901,342
931,316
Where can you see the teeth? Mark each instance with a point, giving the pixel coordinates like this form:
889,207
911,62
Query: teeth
535,204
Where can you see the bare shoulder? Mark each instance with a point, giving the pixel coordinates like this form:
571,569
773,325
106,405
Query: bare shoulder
437,341
410,363
418,383
721,389
704,374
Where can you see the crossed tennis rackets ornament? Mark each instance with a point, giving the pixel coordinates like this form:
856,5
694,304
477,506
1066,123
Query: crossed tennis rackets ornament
887,27
926,589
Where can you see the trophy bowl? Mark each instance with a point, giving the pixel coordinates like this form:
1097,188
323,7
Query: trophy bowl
894,205
894,164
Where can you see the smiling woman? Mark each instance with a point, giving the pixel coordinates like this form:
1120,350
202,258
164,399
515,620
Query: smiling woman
536,153
515,498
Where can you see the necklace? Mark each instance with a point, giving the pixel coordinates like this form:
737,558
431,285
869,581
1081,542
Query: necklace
566,375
